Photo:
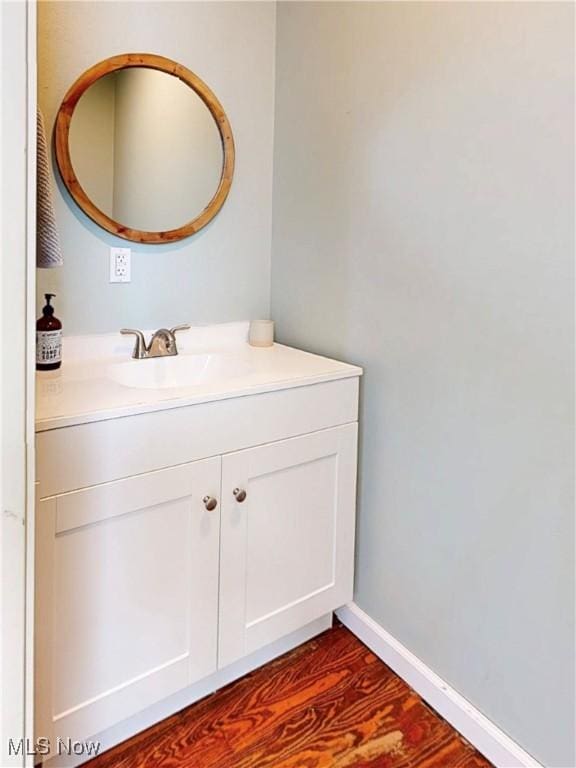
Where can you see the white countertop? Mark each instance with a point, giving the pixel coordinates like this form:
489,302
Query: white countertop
83,389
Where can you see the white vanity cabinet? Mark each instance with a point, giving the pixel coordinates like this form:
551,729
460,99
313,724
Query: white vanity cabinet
145,587
287,549
127,596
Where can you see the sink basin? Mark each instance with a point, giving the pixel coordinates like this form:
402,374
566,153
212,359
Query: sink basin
178,371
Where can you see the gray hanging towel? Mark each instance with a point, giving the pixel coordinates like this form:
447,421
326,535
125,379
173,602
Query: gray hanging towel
48,253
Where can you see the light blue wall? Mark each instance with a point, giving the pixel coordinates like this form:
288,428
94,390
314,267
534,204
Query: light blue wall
223,272
423,227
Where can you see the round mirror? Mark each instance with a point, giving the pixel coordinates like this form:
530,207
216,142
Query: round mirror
144,148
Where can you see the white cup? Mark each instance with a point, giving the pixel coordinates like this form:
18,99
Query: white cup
261,333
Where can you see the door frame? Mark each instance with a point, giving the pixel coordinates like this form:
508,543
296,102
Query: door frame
17,232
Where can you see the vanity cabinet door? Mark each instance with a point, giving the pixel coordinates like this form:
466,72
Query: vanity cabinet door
287,545
127,596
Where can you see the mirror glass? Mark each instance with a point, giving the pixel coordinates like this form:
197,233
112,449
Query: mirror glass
145,149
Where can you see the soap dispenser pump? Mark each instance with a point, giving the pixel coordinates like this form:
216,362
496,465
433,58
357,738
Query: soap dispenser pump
48,338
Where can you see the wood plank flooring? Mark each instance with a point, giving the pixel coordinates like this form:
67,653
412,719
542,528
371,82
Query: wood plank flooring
329,704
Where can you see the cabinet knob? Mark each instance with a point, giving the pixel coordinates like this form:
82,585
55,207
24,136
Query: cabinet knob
239,494
210,503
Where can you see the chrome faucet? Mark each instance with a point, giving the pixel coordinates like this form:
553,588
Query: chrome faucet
162,343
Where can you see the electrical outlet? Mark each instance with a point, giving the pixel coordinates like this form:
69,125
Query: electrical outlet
120,265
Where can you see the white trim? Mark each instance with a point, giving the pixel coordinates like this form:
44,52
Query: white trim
30,363
14,84
488,739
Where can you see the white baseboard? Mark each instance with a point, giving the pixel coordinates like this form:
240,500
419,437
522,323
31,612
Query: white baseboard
488,739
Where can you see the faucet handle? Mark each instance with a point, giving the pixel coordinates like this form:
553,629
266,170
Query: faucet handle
173,331
181,327
140,345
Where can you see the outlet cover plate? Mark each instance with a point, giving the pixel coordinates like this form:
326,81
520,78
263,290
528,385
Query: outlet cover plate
120,265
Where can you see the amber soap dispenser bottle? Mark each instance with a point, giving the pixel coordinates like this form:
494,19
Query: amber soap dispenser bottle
48,338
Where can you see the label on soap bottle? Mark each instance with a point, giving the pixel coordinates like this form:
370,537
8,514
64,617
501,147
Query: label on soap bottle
48,347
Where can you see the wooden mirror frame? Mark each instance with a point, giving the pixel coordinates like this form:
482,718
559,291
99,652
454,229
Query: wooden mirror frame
62,148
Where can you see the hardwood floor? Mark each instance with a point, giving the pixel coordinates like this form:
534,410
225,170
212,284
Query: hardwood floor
328,704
